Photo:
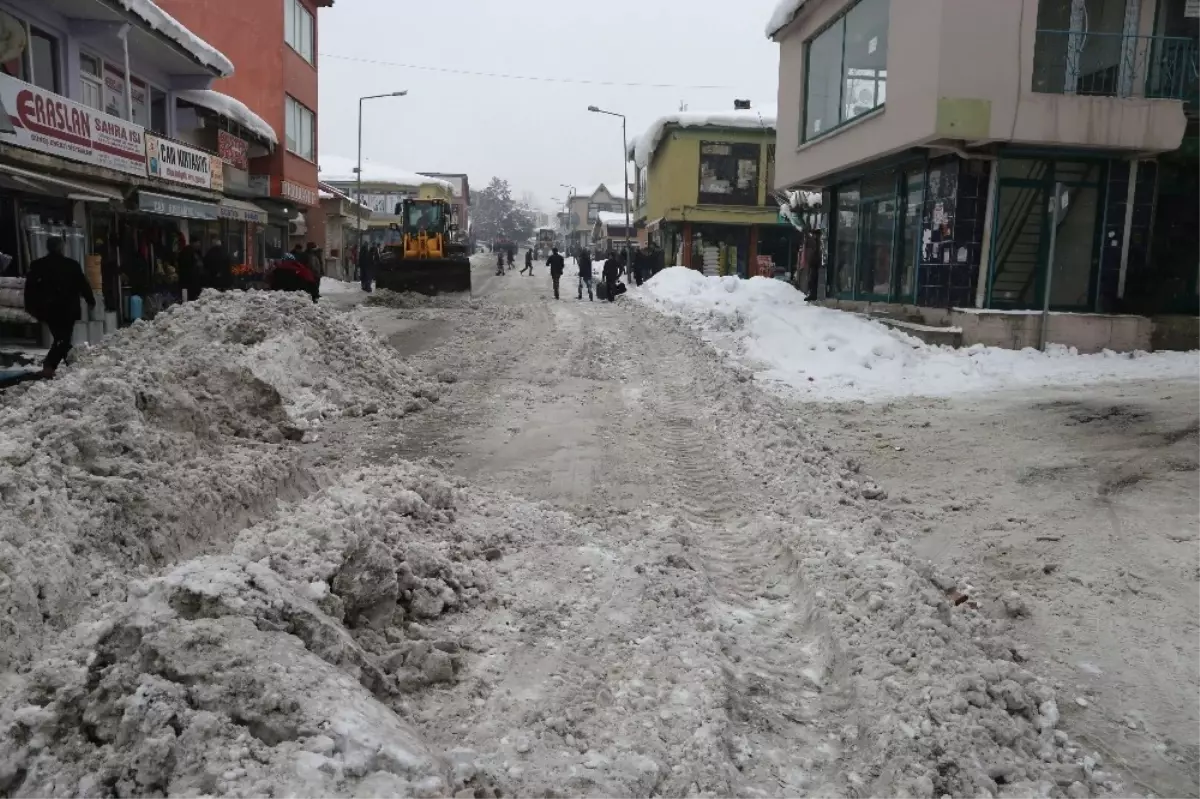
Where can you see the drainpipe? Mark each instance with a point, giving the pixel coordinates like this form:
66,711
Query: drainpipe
123,34
1130,193
985,247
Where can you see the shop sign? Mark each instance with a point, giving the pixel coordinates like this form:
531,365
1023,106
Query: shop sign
178,163
233,149
259,185
239,214
178,207
304,195
217,178
50,123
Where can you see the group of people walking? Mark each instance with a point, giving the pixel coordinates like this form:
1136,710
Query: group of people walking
611,274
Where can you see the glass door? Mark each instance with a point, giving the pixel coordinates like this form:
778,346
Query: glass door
879,219
913,185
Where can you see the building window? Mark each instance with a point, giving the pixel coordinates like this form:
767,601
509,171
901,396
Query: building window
728,173
298,28
846,72
300,130
91,81
770,169
158,111
43,56
38,62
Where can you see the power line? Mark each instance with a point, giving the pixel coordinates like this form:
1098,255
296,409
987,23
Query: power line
507,76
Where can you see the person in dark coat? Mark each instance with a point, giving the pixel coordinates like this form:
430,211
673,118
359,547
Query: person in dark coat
293,275
218,270
528,263
314,259
366,266
585,273
612,272
53,289
191,270
556,264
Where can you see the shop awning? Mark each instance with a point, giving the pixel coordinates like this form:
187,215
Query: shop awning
242,211
60,187
178,207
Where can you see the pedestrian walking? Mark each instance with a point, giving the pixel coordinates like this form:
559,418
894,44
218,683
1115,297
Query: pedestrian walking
314,259
53,289
499,262
293,275
585,273
528,263
366,267
218,271
510,257
612,272
556,264
191,270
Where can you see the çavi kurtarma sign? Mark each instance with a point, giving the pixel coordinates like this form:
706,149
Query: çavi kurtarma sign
50,123
178,163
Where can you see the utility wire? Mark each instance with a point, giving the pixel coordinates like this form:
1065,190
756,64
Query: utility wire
507,76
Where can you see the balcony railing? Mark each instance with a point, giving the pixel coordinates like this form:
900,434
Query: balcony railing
1115,65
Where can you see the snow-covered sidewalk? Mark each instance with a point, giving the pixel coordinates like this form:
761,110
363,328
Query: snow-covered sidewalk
824,354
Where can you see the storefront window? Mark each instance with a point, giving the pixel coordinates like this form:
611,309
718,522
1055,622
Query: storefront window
729,173
846,72
878,219
235,241
846,248
914,200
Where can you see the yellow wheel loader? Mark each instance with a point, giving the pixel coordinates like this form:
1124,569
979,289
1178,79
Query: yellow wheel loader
424,259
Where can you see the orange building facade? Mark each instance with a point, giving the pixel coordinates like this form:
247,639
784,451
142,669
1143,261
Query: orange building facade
273,46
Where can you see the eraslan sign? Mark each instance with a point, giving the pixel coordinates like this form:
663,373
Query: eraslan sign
50,123
178,163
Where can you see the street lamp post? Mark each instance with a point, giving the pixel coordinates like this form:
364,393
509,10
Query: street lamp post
625,161
358,170
570,196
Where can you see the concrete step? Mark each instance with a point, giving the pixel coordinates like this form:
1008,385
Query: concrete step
937,336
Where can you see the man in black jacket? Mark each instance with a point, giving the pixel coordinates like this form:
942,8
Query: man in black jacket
53,289
528,263
612,271
218,270
556,264
191,270
584,259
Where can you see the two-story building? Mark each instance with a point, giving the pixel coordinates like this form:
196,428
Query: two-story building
702,192
103,147
995,155
584,208
274,45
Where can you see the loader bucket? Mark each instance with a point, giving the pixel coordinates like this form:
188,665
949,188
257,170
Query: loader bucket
424,275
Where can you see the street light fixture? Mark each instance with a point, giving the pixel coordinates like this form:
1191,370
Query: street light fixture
625,161
358,168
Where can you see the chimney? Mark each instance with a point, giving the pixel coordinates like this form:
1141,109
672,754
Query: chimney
741,105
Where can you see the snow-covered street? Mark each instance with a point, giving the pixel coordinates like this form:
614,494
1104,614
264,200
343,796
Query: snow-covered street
507,545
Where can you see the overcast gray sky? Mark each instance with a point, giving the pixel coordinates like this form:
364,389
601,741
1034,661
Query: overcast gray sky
535,133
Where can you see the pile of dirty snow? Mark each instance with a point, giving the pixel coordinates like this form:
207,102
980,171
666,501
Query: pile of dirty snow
822,353
278,667
151,446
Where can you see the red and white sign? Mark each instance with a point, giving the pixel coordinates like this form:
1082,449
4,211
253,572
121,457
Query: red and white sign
233,149
305,195
50,123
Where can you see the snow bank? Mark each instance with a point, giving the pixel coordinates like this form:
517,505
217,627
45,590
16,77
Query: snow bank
783,14
232,108
642,150
340,169
826,354
150,445
272,669
173,29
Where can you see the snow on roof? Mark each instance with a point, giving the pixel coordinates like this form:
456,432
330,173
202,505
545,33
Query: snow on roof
339,169
174,30
232,108
611,218
784,13
644,146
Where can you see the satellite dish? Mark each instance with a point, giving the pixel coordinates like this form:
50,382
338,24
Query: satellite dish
12,37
